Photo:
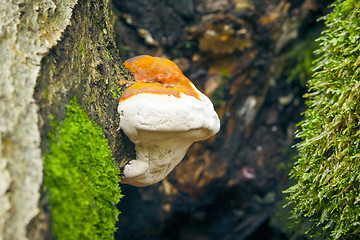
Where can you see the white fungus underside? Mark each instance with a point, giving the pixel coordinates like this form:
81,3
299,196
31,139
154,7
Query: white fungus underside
162,127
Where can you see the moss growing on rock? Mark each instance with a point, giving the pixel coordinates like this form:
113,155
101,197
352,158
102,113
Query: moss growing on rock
81,179
328,167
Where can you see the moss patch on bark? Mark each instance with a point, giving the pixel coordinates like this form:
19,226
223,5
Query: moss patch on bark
81,179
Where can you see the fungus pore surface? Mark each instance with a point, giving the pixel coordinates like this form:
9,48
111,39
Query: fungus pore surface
162,113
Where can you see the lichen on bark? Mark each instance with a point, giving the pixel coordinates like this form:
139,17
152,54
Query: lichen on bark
27,32
36,82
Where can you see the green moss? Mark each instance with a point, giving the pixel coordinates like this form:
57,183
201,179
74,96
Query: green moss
328,167
46,91
116,91
82,51
81,179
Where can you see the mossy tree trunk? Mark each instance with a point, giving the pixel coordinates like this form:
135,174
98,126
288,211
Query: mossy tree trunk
327,168
50,52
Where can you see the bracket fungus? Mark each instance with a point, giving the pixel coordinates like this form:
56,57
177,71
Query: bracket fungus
162,113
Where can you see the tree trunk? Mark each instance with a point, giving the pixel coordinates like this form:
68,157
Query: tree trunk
51,51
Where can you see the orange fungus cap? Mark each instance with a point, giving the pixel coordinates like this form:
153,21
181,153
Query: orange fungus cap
156,75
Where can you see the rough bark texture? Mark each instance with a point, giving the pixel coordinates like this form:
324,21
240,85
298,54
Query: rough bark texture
252,58
86,64
27,31
36,85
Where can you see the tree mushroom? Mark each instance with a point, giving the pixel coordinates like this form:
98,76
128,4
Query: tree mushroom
162,113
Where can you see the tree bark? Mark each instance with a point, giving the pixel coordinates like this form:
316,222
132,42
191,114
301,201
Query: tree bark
28,31
51,51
